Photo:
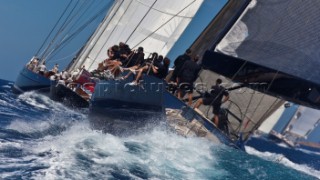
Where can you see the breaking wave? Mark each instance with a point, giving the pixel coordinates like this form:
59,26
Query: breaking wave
42,139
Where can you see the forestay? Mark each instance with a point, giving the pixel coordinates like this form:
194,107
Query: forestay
153,24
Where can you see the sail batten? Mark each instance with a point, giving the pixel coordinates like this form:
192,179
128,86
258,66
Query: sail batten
275,43
281,35
155,25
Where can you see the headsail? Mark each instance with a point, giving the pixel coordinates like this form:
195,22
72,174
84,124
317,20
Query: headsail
154,25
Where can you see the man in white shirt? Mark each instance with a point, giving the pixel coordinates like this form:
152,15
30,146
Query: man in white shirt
42,68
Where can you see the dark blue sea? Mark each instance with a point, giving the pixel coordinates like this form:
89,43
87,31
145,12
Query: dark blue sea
42,139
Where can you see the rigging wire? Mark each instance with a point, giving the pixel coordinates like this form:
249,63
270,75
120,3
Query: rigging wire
267,112
150,8
235,131
105,19
83,13
230,101
232,78
54,27
75,14
250,101
162,24
163,12
69,20
106,41
72,26
145,15
69,38
65,57
264,116
57,34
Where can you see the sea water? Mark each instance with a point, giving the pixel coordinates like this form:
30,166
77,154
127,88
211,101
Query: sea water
43,139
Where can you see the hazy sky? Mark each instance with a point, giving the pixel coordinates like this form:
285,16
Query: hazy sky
26,23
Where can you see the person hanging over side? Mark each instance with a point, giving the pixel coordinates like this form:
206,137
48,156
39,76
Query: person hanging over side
134,61
217,96
185,78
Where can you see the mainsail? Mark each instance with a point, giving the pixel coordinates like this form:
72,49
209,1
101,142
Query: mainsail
270,47
153,24
282,35
276,42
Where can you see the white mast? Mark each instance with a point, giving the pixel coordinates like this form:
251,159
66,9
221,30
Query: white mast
153,24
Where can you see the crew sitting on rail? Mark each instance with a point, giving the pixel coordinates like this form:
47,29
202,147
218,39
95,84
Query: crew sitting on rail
121,55
163,67
52,72
121,58
112,64
135,59
33,64
152,66
147,66
124,52
42,68
55,68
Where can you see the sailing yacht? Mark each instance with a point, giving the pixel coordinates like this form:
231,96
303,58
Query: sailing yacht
292,131
76,17
29,80
115,106
154,25
266,55
255,46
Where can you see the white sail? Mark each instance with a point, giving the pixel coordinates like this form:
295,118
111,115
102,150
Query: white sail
304,122
153,24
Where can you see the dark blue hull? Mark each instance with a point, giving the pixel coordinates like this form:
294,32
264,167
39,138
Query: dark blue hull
264,144
118,108
65,95
190,114
122,109
28,80
119,94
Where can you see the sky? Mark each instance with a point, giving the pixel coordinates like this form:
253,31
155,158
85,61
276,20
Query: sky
26,23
